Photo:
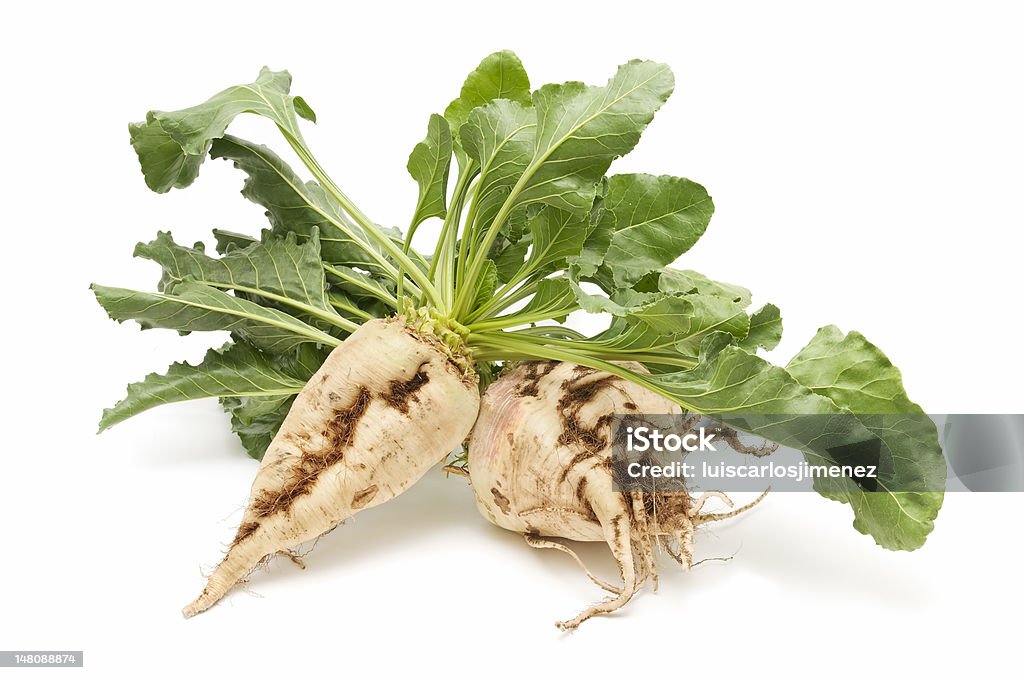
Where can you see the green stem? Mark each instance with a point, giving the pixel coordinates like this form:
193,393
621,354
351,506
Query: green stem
442,263
449,280
379,293
441,239
498,346
591,346
479,256
583,345
507,287
351,309
501,322
365,222
413,226
405,249
466,249
380,260
544,331
499,304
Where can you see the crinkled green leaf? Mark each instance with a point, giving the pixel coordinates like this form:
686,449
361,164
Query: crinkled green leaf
279,269
686,320
856,375
302,362
599,239
499,76
515,227
657,219
236,371
226,240
765,329
512,246
198,307
581,130
676,281
593,302
171,144
293,205
256,419
499,136
509,259
164,164
669,325
731,383
556,235
600,206
428,164
353,282
254,407
486,285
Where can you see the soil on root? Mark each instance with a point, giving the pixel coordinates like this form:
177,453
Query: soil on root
338,435
401,392
576,395
533,371
501,500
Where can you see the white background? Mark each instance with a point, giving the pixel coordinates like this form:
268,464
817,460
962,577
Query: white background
866,167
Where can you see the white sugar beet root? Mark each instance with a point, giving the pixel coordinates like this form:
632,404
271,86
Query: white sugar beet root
539,462
386,406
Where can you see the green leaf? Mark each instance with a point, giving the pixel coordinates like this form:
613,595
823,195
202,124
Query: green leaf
556,236
354,283
226,240
676,281
256,419
596,245
253,407
234,371
598,209
554,299
293,205
164,164
765,329
198,307
428,164
278,269
856,375
171,144
499,136
509,259
657,219
499,76
730,380
486,285
303,361
685,321
850,370
581,130
731,383
360,286
594,303
673,325
352,310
